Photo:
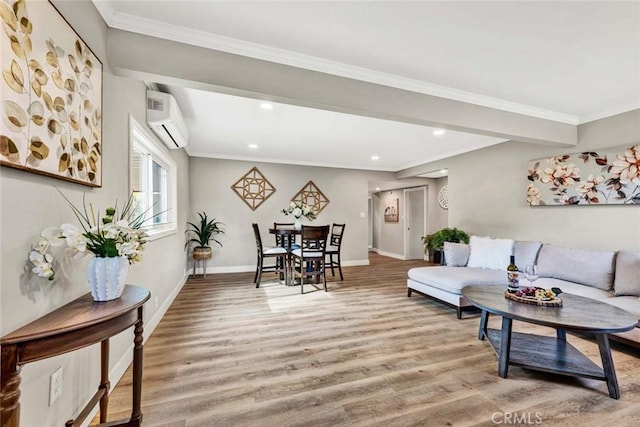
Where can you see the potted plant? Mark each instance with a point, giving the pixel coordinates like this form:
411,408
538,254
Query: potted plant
299,210
203,233
115,239
433,243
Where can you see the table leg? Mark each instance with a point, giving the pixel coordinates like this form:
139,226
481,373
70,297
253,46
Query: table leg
482,330
607,365
136,412
505,347
10,379
561,334
104,379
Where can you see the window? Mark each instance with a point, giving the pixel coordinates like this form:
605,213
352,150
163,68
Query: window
153,181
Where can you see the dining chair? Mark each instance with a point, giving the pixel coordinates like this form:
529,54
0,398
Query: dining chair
287,241
308,260
335,243
279,253
284,240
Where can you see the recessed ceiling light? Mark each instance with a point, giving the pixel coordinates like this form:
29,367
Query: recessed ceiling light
443,170
377,188
439,132
253,146
266,106
375,157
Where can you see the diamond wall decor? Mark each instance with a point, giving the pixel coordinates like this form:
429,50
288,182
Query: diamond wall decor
253,188
312,197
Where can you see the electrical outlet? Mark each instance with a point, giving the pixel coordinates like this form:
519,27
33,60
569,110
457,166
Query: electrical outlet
55,385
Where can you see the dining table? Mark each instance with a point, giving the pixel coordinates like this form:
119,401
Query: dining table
288,239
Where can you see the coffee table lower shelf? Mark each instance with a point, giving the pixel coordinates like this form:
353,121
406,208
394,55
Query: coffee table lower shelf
546,354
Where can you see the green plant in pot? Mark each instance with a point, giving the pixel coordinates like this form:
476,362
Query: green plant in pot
202,233
433,243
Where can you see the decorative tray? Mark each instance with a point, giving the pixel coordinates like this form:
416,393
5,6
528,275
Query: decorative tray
535,296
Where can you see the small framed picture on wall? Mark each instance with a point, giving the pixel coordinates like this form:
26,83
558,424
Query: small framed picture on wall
391,210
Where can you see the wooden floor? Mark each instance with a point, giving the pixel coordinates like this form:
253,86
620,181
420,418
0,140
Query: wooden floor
363,354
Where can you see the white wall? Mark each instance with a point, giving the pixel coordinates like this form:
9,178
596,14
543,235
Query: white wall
347,191
389,236
487,193
30,203
438,217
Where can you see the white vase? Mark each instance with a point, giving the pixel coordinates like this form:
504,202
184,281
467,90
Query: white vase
298,224
107,277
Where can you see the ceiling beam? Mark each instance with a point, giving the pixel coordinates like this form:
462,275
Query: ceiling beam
173,63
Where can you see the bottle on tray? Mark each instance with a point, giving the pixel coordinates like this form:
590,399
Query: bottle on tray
512,276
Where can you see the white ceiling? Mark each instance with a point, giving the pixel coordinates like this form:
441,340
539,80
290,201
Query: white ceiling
223,126
566,61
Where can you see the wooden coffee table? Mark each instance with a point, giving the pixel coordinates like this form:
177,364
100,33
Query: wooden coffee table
551,354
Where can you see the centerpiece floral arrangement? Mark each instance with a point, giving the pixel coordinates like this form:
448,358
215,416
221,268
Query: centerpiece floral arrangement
116,234
298,210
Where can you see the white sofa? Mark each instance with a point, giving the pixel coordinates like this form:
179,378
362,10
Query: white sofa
612,277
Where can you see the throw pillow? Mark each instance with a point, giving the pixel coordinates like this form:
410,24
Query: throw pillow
526,252
485,252
585,266
456,254
627,276
589,267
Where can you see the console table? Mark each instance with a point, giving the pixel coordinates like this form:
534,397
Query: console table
80,323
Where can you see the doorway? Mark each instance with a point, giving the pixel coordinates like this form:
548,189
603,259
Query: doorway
415,201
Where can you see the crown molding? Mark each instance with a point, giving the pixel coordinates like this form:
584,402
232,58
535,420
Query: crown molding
204,39
608,113
106,10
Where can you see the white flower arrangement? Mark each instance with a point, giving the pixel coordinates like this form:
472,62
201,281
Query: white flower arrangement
114,235
299,210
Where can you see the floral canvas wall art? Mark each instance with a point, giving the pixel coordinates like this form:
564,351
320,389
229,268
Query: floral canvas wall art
605,177
51,94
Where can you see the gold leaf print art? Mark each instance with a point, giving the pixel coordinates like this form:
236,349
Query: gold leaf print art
51,95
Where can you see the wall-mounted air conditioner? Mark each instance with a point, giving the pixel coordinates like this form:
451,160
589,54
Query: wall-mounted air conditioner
165,119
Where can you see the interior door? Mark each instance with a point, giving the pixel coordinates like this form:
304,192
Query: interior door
415,222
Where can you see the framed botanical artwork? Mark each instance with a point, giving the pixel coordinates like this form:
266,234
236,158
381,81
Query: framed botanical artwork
51,94
391,210
604,177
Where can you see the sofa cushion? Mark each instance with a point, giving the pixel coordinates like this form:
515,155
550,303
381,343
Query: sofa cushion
526,252
485,252
588,267
453,279
627,278
456,254
571,288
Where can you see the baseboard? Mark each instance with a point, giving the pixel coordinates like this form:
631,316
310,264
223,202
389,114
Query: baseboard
151,324
121,366
389,254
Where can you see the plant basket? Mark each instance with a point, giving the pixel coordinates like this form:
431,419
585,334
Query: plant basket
200,253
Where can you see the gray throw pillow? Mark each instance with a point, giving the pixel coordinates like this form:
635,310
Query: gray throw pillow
456,254
526,252
627,276
587,267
